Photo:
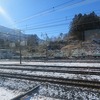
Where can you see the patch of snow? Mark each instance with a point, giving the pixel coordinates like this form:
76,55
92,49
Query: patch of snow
53,63
17,84
68,93
54,74
10,88
39,97
6,94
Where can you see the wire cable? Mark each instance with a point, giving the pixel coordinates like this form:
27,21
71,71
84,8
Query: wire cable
50,10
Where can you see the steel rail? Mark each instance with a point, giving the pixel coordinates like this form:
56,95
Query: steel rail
61,81
74,71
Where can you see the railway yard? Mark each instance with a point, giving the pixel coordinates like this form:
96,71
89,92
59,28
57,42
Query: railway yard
56,80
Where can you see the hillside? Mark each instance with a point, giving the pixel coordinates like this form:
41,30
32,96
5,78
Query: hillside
11,34
82,48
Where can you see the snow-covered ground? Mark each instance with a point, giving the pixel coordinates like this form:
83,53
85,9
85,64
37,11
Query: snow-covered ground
10,88
14,87
53,74
49,92
65,93
6,94
39,97
53,63
64,64
69,92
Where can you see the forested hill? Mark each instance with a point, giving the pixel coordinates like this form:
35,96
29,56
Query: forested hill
81,23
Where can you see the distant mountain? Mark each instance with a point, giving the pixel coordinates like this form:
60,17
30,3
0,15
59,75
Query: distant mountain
6,30
10,34
14,34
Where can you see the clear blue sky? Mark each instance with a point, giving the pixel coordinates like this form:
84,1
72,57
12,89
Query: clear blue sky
43,16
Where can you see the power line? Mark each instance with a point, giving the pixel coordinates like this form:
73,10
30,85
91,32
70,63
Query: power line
52,32
56,21
40,24
47,26
50,10
56,25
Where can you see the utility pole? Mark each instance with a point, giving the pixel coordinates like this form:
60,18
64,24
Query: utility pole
46,52
46,47
20,49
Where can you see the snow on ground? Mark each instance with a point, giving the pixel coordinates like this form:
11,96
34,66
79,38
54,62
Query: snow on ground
54,74
68,92
17,84
59,92
10,88
6,94
53,63
64,64
39,97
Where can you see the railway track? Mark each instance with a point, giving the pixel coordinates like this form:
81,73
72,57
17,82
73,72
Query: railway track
56,60
66,60
58,69
54,80
30,92
53,66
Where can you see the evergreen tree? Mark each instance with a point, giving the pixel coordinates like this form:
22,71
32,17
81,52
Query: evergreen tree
81,23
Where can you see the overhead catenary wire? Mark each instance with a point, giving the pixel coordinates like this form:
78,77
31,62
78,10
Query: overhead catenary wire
56,25
58,6
48,31
47,26
55,21
47,23
43,12
50,10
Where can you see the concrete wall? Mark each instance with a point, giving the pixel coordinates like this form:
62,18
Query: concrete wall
92,34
